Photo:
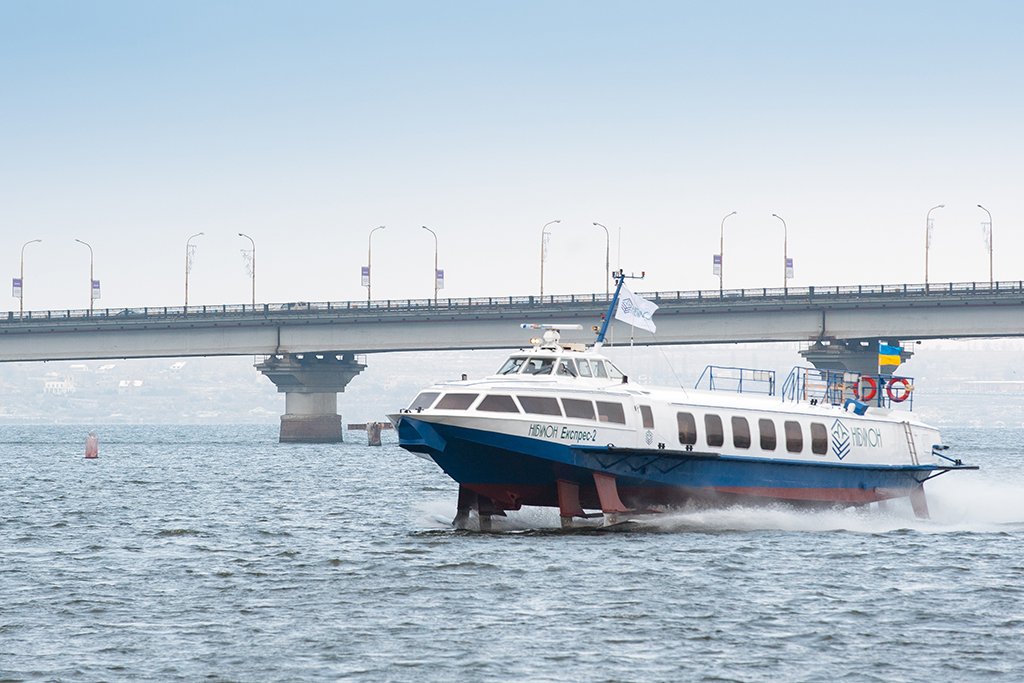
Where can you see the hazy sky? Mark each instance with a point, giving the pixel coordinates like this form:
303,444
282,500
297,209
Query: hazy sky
134,125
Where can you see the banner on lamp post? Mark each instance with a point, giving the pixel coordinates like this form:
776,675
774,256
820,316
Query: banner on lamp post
16,288
789,269
439,283
95,290
718,264
366,276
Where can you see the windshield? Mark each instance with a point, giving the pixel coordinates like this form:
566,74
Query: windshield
566,367
511,366
538,366
614,372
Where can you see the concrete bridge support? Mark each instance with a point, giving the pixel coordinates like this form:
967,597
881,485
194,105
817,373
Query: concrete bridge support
849,355
311,383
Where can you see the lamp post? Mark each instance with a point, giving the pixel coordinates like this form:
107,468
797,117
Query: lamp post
91,280
21,281
543,253
252,270
607,258
435,260
988,240
721,252
190,251
369,264
928,240
785,252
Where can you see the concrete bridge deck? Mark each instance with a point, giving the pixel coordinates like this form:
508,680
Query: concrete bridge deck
907,312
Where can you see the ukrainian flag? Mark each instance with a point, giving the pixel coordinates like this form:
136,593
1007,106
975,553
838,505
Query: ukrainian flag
889,355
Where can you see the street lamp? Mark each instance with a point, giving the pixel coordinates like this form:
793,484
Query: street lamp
721,252
607,254
92,282
435,260
928,240
369,253
543,252
988,243
21,281
190,251
252,266
785,252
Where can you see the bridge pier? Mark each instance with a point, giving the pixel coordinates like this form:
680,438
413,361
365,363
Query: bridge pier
310,384
850,355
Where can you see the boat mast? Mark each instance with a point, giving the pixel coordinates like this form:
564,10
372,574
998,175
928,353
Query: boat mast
620,278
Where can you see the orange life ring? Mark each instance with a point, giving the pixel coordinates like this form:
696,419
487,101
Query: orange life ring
896,397
872,385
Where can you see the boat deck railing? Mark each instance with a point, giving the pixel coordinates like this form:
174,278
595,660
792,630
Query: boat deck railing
739,380
835,387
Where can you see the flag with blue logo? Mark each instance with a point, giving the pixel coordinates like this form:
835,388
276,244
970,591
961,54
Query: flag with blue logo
636,310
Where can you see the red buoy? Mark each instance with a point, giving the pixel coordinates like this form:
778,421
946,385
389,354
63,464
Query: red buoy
92,446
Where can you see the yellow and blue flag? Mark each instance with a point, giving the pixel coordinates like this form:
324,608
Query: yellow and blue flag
889,355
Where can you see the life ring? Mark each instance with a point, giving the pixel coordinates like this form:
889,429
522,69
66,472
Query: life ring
897,397
872,386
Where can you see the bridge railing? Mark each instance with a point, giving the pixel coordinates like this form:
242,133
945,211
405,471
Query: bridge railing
333,308
1005,287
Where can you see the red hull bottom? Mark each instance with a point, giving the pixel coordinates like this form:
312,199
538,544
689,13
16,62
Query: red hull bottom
515,496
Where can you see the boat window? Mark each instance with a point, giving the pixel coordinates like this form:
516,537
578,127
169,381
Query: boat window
648,417
687,429
498,404
740,432
577,408
794,437
611,412
424,400
767,429
538,366
598,368
511,366
566,367
713,430
456,401
819,439
614,372
540,405
584,368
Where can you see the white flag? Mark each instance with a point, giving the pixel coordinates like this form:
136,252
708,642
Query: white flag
636,310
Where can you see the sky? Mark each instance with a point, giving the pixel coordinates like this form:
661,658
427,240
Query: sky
132,126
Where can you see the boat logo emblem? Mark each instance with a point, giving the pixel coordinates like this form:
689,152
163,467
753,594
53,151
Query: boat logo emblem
649,437
840,440
626,305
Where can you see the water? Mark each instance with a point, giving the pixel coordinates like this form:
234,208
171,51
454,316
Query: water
189,553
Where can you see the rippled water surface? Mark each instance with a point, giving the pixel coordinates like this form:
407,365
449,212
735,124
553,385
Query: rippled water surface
214,552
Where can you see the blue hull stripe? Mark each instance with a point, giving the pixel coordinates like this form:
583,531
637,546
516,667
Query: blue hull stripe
483,457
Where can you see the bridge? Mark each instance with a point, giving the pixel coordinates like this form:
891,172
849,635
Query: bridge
313,350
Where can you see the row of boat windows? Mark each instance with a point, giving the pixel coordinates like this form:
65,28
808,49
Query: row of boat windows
563,367
603,411
609,411
714,433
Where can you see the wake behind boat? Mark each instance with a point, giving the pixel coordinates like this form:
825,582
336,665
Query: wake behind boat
560,425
